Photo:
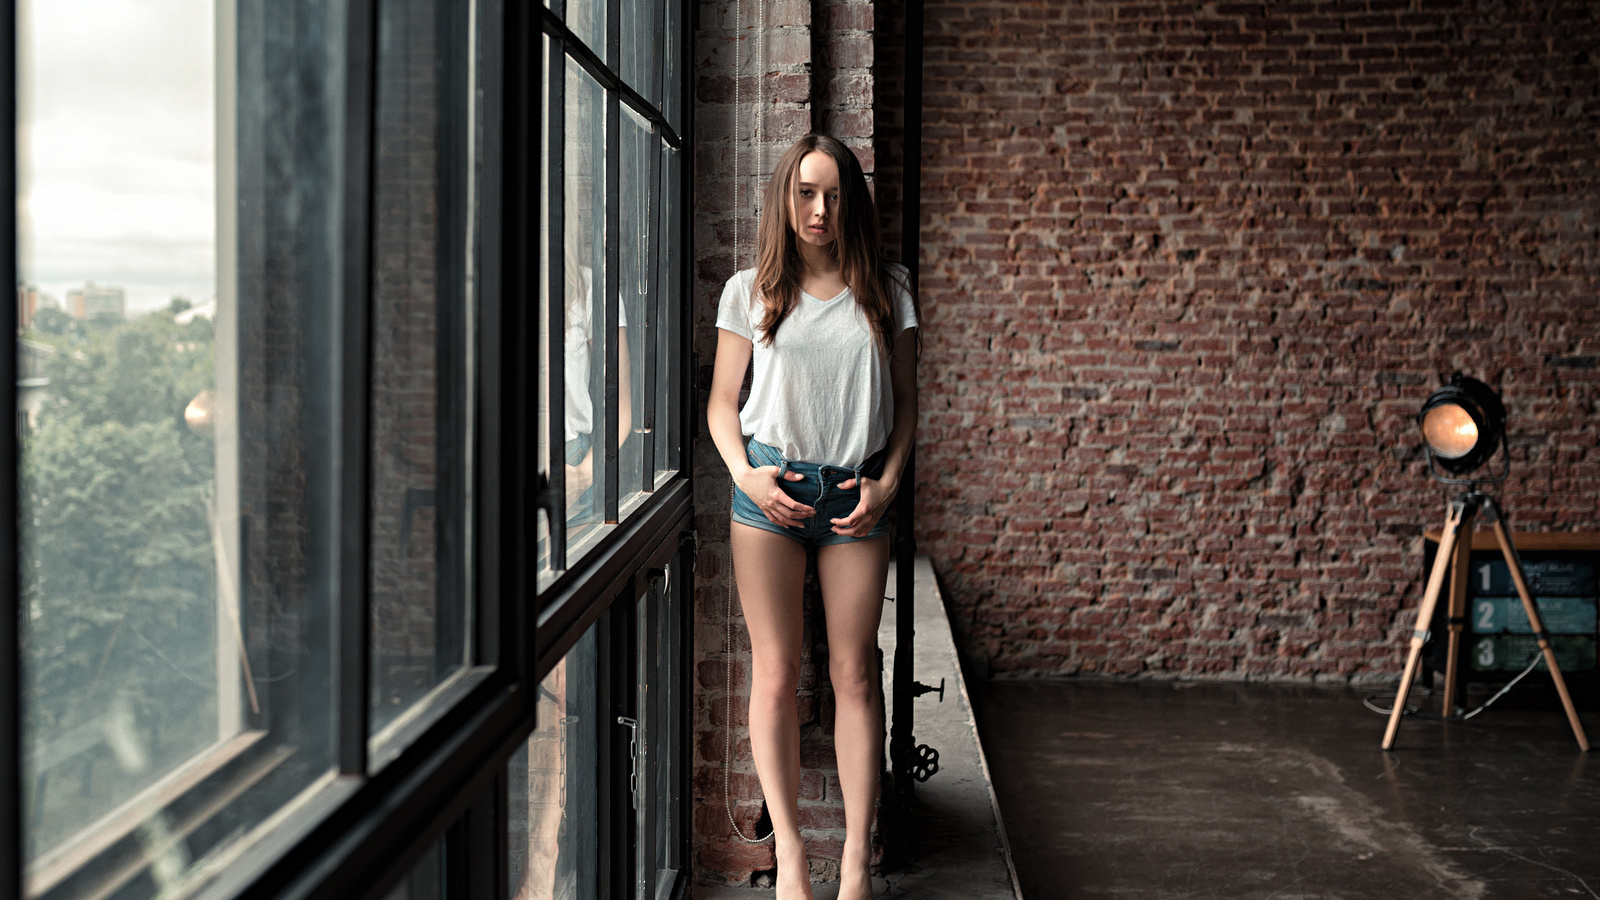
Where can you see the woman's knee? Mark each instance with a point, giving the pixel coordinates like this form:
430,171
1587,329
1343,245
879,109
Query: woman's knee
854,679
774,680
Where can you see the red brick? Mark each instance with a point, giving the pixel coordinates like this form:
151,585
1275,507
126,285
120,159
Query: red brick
1255,262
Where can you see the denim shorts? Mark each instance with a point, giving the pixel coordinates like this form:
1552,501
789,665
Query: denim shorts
818,489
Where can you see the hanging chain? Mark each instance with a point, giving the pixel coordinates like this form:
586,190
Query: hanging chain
727,569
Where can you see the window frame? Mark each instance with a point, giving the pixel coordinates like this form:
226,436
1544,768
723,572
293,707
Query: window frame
10,612
357,835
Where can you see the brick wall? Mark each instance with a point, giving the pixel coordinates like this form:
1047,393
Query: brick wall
409,636
818,74
1189,270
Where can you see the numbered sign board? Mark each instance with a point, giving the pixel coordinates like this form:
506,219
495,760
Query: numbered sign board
1513,652
1546,578
1561,615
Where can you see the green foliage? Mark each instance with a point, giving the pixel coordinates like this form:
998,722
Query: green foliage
50,320
117,588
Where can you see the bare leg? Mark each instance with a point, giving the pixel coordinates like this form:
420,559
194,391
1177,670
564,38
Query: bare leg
852,577
770,570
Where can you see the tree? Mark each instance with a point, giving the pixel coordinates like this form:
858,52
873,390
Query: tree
52,321
117,583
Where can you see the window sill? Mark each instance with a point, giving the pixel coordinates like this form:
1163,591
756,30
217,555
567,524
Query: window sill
117,834
399,734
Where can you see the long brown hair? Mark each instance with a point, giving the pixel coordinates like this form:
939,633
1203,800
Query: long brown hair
778,263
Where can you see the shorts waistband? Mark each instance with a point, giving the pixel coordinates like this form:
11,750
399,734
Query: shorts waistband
871,467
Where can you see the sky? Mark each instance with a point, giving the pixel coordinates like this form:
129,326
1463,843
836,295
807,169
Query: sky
116,147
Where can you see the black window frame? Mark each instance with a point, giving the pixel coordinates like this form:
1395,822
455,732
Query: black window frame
448,786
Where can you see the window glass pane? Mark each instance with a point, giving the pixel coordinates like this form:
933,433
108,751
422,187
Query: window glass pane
660,704
675,703
587,19
668,360
120,600
423,260
637,301
671,83
554,792
179,506
545,572
583,309
640,43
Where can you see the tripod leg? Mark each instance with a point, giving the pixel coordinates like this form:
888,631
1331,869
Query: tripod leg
1430,599
1460,571
1514,563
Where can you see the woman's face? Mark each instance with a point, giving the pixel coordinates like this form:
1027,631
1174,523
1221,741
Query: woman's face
814,202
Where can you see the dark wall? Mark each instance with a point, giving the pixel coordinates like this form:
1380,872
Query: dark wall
1188,271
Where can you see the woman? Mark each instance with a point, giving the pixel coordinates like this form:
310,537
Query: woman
831,331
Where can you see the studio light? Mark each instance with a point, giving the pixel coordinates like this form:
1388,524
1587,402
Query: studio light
1463,423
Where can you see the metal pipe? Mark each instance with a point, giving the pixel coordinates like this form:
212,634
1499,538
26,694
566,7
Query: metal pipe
902,740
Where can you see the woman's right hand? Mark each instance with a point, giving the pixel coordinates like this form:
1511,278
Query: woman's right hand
761,486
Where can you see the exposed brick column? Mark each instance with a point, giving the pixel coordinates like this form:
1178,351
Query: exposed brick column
724,133
1189,270
844,75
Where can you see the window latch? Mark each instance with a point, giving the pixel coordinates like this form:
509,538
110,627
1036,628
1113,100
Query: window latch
633,758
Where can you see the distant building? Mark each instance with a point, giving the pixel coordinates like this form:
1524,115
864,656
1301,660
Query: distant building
29,299
94,301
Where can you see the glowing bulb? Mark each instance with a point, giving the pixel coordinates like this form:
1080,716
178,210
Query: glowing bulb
1450,431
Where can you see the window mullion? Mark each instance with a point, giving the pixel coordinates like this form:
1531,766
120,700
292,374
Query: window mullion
354,650
585,58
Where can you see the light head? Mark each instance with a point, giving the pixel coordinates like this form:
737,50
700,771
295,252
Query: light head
1463,423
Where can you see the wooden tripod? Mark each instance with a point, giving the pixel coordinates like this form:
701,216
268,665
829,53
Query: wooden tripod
1458,530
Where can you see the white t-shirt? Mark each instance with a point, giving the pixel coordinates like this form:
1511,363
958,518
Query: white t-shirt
821,393
578,339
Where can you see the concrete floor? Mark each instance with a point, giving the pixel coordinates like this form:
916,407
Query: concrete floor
1155,790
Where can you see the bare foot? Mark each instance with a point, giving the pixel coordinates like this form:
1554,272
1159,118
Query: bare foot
794,874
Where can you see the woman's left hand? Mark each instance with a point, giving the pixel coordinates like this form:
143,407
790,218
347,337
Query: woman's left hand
875,499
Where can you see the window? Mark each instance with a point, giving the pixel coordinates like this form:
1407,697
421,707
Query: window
609,280
595,793
179,478
351,428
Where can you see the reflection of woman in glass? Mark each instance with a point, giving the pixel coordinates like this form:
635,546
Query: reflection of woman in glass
829,329
547,793
582,361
